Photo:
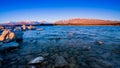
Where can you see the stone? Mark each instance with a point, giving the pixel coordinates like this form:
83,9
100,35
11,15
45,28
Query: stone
30,27
24,27
9,46
4,33
7,35
87,48
99,42
37,60
60,61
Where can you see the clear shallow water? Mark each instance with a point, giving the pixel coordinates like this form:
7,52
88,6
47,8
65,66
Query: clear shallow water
36,42
85,33
72,36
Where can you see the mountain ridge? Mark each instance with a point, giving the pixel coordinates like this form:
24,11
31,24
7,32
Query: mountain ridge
72,21
83,21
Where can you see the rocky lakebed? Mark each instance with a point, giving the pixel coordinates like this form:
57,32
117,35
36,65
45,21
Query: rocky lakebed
60,47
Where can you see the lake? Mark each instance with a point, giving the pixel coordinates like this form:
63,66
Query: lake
62,39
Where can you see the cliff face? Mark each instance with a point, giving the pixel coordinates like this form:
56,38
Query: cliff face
79,21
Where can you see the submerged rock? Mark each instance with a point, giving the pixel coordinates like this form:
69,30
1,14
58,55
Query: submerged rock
60,62
9,46
36,60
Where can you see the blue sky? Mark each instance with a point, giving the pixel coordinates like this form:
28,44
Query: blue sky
53,10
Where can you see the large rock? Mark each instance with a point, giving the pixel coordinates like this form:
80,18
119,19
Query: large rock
24,27
37,60
9,46
31,27
7,35
60,62
3,35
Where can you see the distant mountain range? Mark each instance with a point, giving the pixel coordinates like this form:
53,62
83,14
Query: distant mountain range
26,23
79,21
74,21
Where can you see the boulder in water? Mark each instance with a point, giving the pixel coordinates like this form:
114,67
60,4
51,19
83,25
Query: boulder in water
99,42
7,35
36,61
31,27
24,27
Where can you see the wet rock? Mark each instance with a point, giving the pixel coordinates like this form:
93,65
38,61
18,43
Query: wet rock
87,48
3,35
60,62
37,60
24,27
99,42
31,27
7,36
9,46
